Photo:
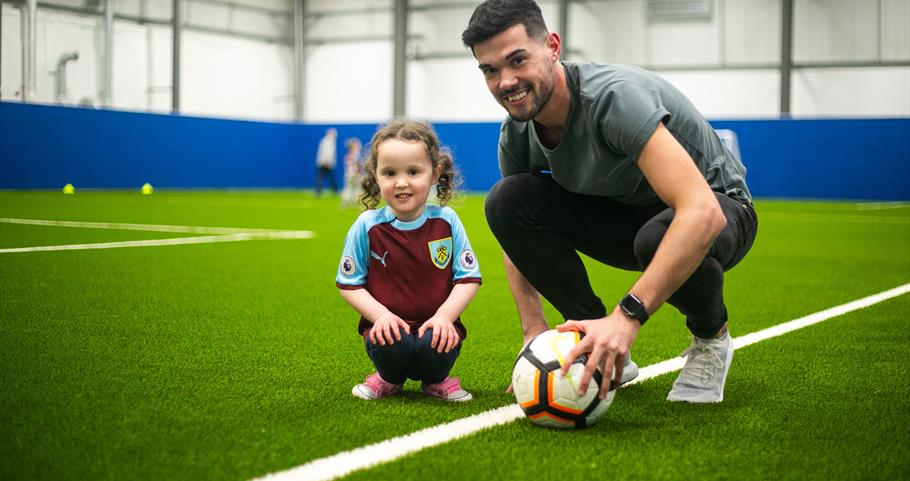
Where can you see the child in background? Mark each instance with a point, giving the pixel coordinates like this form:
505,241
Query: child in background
352,171
408,268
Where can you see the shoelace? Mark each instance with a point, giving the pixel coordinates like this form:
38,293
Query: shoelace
702,357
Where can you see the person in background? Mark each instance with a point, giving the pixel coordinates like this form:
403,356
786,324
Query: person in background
352,171
408,268
326,160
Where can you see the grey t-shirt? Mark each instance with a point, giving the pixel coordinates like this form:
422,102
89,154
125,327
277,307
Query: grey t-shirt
614,110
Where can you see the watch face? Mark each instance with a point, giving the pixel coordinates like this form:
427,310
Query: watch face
633,307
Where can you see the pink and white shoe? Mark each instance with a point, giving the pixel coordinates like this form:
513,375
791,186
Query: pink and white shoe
374,387
449,389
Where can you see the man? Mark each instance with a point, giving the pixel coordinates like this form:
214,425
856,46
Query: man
325,161
614,162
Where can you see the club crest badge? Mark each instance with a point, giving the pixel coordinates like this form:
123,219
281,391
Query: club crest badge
468,261
348,266
441,252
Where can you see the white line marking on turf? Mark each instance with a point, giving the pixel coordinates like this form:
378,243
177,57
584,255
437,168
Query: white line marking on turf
164,242
881,205
223,234
189,229
371,455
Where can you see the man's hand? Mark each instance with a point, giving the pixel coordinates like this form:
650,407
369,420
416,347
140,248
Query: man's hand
385,329
608,340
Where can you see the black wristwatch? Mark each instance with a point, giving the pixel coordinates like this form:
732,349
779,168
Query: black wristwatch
634,308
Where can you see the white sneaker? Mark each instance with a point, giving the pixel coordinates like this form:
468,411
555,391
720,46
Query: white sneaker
629,371
702,378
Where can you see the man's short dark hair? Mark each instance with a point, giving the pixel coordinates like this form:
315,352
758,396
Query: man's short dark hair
493,17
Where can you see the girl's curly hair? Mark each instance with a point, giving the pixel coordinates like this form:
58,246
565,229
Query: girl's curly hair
447,184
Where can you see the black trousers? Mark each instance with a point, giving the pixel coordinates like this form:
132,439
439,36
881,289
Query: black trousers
542,227
325,172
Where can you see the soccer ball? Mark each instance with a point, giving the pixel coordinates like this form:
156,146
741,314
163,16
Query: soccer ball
549,399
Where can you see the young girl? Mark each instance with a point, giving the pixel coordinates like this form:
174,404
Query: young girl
408,268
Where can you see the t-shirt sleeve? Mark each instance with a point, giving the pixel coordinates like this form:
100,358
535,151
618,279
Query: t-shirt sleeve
628,116
465,267
352,270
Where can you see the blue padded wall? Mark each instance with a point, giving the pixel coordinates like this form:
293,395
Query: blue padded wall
48,146
825,159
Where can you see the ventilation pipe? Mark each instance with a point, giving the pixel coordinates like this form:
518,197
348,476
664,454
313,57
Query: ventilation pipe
60,76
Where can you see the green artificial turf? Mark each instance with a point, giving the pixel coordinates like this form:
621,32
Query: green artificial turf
229,361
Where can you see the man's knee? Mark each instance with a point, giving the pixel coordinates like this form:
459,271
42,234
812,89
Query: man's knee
647,240
507,195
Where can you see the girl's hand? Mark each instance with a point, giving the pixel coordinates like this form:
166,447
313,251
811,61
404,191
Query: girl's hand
385,329
445,336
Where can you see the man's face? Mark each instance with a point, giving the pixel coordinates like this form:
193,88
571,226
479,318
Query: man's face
519,71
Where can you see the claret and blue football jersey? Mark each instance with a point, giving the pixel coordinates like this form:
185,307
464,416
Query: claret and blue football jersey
409,267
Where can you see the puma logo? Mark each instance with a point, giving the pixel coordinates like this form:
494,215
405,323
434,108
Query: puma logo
380,259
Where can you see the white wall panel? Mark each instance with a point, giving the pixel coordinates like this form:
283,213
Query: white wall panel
834,30
852,92
130,66
683,43
439,30
160,69
609,31
230,77
731,93
450,90
352,82
751,31
59,33
11,58
349,82
895,34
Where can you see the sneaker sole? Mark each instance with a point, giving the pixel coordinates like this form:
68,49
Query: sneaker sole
357,392
629,373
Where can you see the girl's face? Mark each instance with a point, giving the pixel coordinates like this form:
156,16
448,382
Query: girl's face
404,174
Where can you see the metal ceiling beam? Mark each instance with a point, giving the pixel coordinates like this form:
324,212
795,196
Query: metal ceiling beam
786,56
299,59
175,56
400,65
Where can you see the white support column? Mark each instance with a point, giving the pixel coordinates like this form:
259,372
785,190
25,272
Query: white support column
108,70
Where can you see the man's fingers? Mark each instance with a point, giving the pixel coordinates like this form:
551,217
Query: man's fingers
571,326
570,358
405,326
396,331
620,365
608,364
590,367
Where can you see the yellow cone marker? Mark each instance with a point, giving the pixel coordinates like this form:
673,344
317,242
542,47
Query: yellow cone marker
147,189
69,189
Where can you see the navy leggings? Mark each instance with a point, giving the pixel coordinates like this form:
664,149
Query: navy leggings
412,358
542,227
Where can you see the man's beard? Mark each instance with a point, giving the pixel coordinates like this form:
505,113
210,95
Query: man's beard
539,100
